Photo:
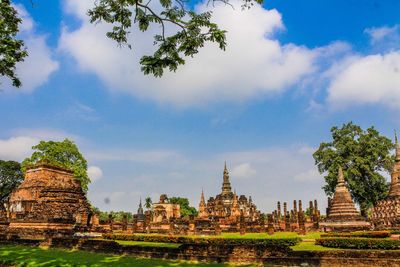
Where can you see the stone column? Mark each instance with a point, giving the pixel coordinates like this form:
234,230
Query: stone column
311,207
242,224
316,214
270,225
284,213
301,219
124,222
279,211
287,221
329,206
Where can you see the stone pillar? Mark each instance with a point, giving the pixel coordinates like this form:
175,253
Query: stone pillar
217,228
287,221
295,208
111,222
279,210
285,214
329,206
270,225
316,215
311,207
134,225
301,219
242,224
124,222
192,227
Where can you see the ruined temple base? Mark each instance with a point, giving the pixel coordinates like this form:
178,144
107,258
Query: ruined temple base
347,226
40,229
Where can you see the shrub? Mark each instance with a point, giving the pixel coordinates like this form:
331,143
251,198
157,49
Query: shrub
358,243
278,242
366,234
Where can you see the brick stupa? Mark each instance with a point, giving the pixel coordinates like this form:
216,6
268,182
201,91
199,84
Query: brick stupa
343,215
50,201
386,213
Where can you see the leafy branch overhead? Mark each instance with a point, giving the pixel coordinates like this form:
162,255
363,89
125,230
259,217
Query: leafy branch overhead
194,30
12,50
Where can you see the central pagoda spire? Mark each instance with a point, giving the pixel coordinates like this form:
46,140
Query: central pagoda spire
226,185
395,175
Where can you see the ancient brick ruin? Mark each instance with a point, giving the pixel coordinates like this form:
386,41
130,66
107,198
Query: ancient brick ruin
49,201
342,214
386,213
230,211
296,220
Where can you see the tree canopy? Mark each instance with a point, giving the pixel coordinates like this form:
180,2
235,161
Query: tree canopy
63,154
148,203
186,209
11,176
363,155
12,49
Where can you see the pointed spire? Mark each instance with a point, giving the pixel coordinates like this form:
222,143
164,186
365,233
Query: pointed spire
140,209
397,145
340,176
226,185
202,200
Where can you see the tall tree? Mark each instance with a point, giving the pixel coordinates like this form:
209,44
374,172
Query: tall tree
11,176
363,155
63,154
12,49
186,209
148,203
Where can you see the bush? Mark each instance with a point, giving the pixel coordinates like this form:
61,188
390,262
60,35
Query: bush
366,234
358,243
395,232
278,242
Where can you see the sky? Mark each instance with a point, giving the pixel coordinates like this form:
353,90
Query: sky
291,71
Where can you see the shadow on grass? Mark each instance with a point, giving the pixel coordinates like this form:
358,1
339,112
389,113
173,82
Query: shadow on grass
34,256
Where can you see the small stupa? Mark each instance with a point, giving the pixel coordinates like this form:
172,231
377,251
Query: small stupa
343,215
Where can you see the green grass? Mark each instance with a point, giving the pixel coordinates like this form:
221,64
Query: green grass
308,246
147,244
33,256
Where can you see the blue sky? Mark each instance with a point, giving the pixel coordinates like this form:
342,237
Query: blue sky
292,70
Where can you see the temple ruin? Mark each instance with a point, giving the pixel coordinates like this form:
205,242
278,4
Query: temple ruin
50,201
386,213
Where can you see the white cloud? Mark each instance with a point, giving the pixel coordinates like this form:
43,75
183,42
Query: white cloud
309,175
385,33
39,65
372,79
19,145
94,173
244,171
142,156
16,148
254,64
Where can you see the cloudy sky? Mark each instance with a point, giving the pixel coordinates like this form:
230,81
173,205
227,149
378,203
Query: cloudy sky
291,71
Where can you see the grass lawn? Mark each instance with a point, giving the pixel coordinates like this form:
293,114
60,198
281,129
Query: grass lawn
310,245
33,256
147,244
